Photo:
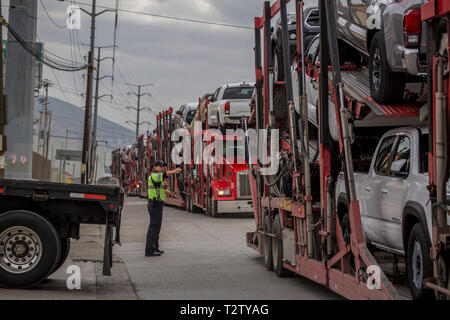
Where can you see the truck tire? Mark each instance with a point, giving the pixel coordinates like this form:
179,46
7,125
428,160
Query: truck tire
386,87
277,250
212,205
30,249
188,203
278,64
267,246
418,263
65,249
345,228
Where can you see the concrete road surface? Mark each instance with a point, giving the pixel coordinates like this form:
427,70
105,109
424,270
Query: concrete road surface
205,258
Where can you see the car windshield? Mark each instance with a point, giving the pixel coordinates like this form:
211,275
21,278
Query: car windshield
238,93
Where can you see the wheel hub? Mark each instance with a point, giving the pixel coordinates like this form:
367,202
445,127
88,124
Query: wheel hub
417,265
20,249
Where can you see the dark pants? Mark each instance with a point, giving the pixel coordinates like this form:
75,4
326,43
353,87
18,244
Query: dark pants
155,210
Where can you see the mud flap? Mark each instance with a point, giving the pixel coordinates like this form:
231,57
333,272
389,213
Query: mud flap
107,253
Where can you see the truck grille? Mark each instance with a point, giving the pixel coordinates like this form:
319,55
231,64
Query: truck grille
244,186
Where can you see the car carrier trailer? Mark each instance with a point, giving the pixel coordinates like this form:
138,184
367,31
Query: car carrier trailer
300,232
38,219
216,188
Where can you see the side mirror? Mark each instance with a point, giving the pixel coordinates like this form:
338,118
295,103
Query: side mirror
396,168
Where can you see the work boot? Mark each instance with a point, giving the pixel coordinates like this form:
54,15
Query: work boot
157,248
153,254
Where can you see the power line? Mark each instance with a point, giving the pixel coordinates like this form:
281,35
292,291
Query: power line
44,55
65,96
171,17
50,18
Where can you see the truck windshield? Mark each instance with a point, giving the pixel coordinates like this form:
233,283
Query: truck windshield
235,150
238,93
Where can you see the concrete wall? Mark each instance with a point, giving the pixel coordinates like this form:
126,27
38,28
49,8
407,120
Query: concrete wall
20,90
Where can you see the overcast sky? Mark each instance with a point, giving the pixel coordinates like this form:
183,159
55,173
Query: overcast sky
183,60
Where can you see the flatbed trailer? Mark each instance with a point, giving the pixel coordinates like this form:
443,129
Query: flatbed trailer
38,219
301,233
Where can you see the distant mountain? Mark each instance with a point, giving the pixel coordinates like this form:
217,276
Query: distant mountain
68,116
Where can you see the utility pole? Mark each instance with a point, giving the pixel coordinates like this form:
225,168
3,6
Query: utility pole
2,108
45,131
139,109
47,141
40,132
66,145
87,111
93,150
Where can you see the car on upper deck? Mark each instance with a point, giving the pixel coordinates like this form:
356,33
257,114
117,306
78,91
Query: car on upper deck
230,103
390,37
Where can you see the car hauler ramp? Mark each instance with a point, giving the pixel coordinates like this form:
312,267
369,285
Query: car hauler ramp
358,98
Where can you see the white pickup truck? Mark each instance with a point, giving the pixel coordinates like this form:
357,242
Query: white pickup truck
230,103
394,202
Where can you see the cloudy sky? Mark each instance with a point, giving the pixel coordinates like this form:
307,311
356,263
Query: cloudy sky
183,60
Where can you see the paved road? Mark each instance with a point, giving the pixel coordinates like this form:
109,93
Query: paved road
87,254
205,258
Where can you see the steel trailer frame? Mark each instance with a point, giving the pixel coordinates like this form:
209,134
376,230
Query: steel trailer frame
164,131
320,253
439,151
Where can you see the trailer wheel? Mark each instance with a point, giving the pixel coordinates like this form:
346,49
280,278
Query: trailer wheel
278,64
385,86
65,249
188,203
212,205
418,263
277,250
267,245
345,228
30,249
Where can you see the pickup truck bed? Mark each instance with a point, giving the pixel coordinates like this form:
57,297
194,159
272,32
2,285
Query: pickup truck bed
48,215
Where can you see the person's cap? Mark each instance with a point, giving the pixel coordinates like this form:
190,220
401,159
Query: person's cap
159,163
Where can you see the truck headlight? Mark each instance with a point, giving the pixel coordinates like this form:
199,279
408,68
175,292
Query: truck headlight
224,192
293,36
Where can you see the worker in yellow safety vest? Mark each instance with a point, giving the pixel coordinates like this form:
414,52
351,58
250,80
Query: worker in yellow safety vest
155,206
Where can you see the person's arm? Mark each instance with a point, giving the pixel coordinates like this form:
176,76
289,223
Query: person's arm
173,172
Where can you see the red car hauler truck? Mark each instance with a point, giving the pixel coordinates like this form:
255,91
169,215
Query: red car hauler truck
214,188
298,227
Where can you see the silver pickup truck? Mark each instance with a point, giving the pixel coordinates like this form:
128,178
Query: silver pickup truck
230,103
389,35
394,202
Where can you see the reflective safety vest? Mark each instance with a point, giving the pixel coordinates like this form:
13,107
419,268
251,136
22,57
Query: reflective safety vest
156,187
